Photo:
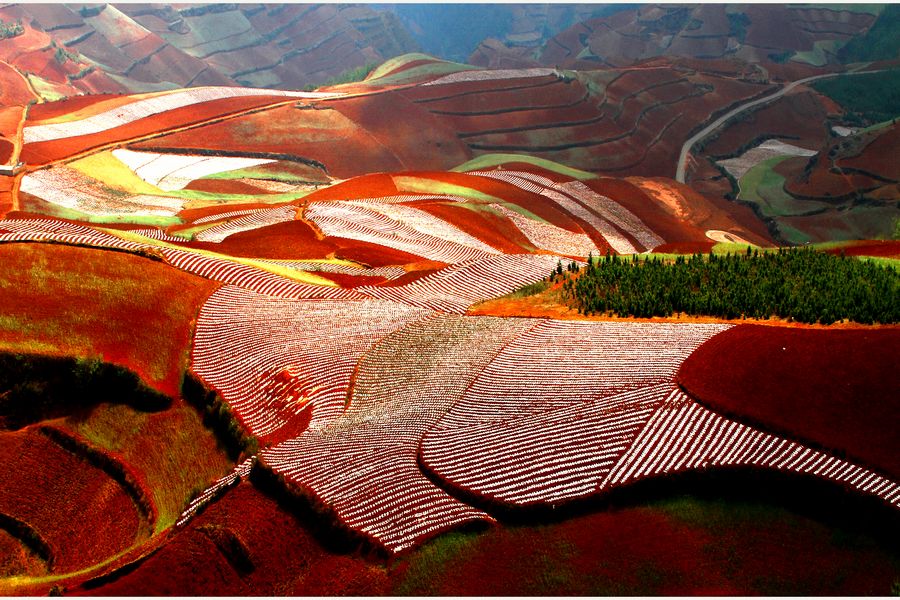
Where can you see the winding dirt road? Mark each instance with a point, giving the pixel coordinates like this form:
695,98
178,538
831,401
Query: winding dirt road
686,148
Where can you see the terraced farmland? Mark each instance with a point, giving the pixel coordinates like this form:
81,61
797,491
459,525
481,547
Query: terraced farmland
315,359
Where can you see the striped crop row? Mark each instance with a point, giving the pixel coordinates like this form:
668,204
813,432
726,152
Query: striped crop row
457,287
363,465
397,226
256,220
273,358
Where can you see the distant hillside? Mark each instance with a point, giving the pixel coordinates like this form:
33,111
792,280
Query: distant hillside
150,47
808,34
454,31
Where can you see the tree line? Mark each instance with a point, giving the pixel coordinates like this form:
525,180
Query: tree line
799,284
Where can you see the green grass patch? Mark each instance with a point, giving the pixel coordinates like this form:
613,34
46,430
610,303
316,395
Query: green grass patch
531,289
418,73
486,161
424,185
433,560
39,206
798,284
183,459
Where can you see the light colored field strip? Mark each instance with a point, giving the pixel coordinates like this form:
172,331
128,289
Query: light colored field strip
543,424
325,267
613,212
550,237
174,171
463,76
201,263
538,184
242,471
69,188
140,109
739,166
457,287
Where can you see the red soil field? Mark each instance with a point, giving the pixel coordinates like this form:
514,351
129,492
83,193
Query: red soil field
44,152
416,138
274,554
883,248
505,191
127,309
797,118
833,388
370,185
372,255
79,510
13,89
224,186
52,110
291,239
323,135
879,157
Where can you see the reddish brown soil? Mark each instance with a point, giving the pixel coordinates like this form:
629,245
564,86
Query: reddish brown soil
276,555
372,254
81,512
289,240
372,185
136,313
328,138
798,118
883,248
685,248
492,229
415,137
879,157
51,110
13,89
44,152
835,389
224,186
534,203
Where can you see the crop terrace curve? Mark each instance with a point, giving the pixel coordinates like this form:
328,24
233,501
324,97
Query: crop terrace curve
603,415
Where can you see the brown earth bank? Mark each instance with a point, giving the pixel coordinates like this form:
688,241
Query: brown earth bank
832,388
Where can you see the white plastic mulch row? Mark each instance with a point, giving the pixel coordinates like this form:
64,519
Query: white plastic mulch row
256,220
547,236
174,171
363,465
739,166
272,358
397,226
489,75
147,107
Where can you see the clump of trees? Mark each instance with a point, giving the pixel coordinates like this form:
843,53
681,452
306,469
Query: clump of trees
799,284
11,30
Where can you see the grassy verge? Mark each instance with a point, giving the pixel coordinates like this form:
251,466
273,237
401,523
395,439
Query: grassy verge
486,161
